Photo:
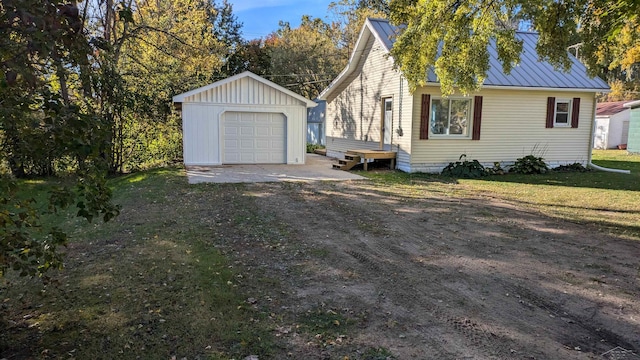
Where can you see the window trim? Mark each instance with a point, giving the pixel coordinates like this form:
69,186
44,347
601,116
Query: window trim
468,135
569,103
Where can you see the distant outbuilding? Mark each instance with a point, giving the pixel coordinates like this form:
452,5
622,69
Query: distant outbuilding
612,125
244,119
633,143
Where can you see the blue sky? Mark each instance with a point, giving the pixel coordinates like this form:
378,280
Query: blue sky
260,17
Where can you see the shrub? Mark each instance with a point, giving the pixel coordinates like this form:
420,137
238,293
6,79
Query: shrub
575,167
496,169
464,168
529,164
312,147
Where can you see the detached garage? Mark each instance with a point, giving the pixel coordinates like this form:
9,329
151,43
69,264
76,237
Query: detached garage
244,119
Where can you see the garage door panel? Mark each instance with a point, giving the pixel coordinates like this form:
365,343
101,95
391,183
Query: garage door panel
263,131
230,143
254,138
265,145
247,144
263,158
277,132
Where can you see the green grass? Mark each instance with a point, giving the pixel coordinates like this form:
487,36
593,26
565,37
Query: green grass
151,284
158,281
609,201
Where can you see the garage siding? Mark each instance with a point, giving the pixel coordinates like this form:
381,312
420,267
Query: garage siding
203,139
270,123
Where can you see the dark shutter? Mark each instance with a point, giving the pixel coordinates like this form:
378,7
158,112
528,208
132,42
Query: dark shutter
551,110
424,117
575,112
477,117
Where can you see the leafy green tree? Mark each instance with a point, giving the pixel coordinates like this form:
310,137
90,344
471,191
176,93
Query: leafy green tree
349,16
46,118
304,59
618,59
148,54
452,36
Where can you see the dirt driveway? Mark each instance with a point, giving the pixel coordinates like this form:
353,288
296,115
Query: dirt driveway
428,276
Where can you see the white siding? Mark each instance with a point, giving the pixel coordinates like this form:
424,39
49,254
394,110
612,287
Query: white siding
354,116
200,134
513,126
617,133
202,137
244,91
601,133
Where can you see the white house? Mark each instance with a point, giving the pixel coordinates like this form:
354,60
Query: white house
244,119
534,110
612,125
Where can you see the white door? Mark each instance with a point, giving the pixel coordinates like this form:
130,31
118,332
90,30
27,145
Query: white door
254,138
388,116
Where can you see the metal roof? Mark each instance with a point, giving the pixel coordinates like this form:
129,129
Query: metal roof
610,108
531,72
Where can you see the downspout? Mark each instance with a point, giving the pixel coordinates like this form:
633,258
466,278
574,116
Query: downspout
593,125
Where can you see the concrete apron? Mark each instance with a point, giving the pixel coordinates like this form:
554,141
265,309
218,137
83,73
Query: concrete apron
316,168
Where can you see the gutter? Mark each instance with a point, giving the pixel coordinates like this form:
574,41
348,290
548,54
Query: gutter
593,125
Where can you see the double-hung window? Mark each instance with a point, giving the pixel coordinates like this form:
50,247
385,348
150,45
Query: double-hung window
450,117
562,114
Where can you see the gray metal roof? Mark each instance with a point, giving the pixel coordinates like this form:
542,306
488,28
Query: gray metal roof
531,72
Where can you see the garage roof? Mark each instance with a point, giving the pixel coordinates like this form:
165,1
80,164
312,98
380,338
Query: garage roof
188,96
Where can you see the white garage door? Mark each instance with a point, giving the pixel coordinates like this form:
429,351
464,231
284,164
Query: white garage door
254,138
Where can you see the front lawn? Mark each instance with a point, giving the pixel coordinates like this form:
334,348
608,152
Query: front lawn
610,200
149,284
223,271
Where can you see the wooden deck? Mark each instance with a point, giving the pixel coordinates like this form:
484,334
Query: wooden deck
368,154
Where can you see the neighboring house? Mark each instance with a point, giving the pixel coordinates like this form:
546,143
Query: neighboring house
633,143
244,119
315,123
612,125
534,110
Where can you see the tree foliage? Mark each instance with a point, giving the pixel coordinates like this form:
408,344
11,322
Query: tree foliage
452,36
159,49
304,59
307,58
349,16
88,90
617,60
48,120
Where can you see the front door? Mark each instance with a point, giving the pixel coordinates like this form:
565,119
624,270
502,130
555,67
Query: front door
387,116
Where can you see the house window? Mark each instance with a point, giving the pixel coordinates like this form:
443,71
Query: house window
563,113
450,117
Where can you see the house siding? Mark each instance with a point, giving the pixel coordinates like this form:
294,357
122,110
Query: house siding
633,143
354,116
513,126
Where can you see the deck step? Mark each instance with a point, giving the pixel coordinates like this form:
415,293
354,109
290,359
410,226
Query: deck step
348,162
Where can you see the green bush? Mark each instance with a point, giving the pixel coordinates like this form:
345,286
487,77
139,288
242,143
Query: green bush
496,169
575,167
464,168
529,164
312,147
